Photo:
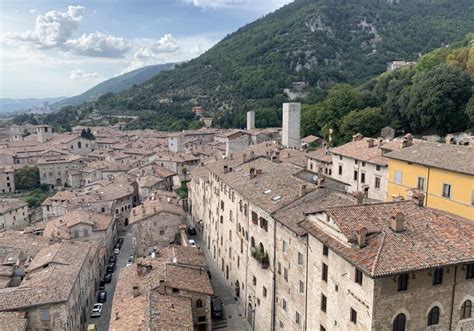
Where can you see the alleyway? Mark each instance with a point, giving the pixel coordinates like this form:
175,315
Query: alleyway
234,316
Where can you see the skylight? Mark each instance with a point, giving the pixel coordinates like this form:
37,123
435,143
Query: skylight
276,198
267,192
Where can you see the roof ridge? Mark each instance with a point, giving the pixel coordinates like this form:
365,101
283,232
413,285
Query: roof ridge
374,266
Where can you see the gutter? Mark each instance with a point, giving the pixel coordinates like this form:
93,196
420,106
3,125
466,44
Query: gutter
452,298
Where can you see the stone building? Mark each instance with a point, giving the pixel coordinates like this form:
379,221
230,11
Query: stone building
7,179
13,214
156,222
320,161
54,170
57,289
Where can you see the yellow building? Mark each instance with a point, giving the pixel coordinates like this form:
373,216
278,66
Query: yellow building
445,174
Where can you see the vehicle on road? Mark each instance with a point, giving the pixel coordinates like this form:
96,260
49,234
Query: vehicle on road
96,310
217,312
108,277
92,327
116,251
102,296
192,230
113,259
120,241
192,243
110,268
101,285
130,260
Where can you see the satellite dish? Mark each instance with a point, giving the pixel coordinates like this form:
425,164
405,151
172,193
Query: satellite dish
315,178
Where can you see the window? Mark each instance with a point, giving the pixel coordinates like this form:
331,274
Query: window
222,205
446,190
264,224
362,177
279,268
363,163
230,235
285,274
378,168
433,316
322,328
421,183
340,157
254,218
358,276
198,303
324,273
254,280
264,291
466,309
356,174
300,258
86,233
301,286
340,170
438,276
45,314
403,282
398,177
284,305
285,246
399,322
324,303
356,161
470,271
353,316
325,250
76,234
377,182
298,318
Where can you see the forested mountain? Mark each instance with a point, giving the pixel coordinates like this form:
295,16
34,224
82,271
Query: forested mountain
307,47
115,85
434,96
17,105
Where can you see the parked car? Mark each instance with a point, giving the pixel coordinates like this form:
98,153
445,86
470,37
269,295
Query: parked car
192,243
108,277
96,310
217,312
117,251
120,240
112,259
118,245
101,285
92,327
191,230
110,268
130,260
102,296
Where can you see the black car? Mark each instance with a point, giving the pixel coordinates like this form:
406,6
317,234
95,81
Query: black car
112,259
102,296
120,241
101,285
108,278
217,312
191,230
110,268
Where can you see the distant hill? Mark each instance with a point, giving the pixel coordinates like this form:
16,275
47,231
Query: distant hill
17,105
316,42
115,85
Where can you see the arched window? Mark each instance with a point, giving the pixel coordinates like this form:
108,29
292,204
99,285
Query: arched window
399,322
466,309
433,316
260,246
252,242
198,303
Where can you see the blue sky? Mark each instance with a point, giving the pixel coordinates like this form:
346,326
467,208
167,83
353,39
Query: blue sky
56,48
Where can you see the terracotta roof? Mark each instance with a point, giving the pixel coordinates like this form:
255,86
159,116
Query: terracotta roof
454,158
188,279
360,150
7,205
184,255
430,239
320,154
16,321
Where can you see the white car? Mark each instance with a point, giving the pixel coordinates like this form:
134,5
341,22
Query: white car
130,260
116,251
192,243
97,310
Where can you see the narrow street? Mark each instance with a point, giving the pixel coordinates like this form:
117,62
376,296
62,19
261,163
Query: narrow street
234,318
102,322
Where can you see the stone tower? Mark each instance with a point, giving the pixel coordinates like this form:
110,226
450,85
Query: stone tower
291,125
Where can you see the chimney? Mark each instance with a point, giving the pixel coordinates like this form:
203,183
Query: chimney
357,137
252,154
244,157
253,173
161,288
231,156
361,236
419,198
370,142
359,197
407,140
397,221
226,169
135,290
320,182
303,189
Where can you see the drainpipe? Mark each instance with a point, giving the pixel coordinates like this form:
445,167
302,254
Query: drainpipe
306,285
274,277
452,298
427,188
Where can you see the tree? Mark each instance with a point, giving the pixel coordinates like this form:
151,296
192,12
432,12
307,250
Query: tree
368,121
470,111
87,134
438,98
265,118
27,178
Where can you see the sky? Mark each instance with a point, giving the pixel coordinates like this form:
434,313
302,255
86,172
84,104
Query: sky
54,48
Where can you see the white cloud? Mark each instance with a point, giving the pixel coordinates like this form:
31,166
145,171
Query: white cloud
53,28
98,44
80,74
34,11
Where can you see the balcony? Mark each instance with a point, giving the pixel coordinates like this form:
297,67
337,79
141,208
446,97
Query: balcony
261,256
